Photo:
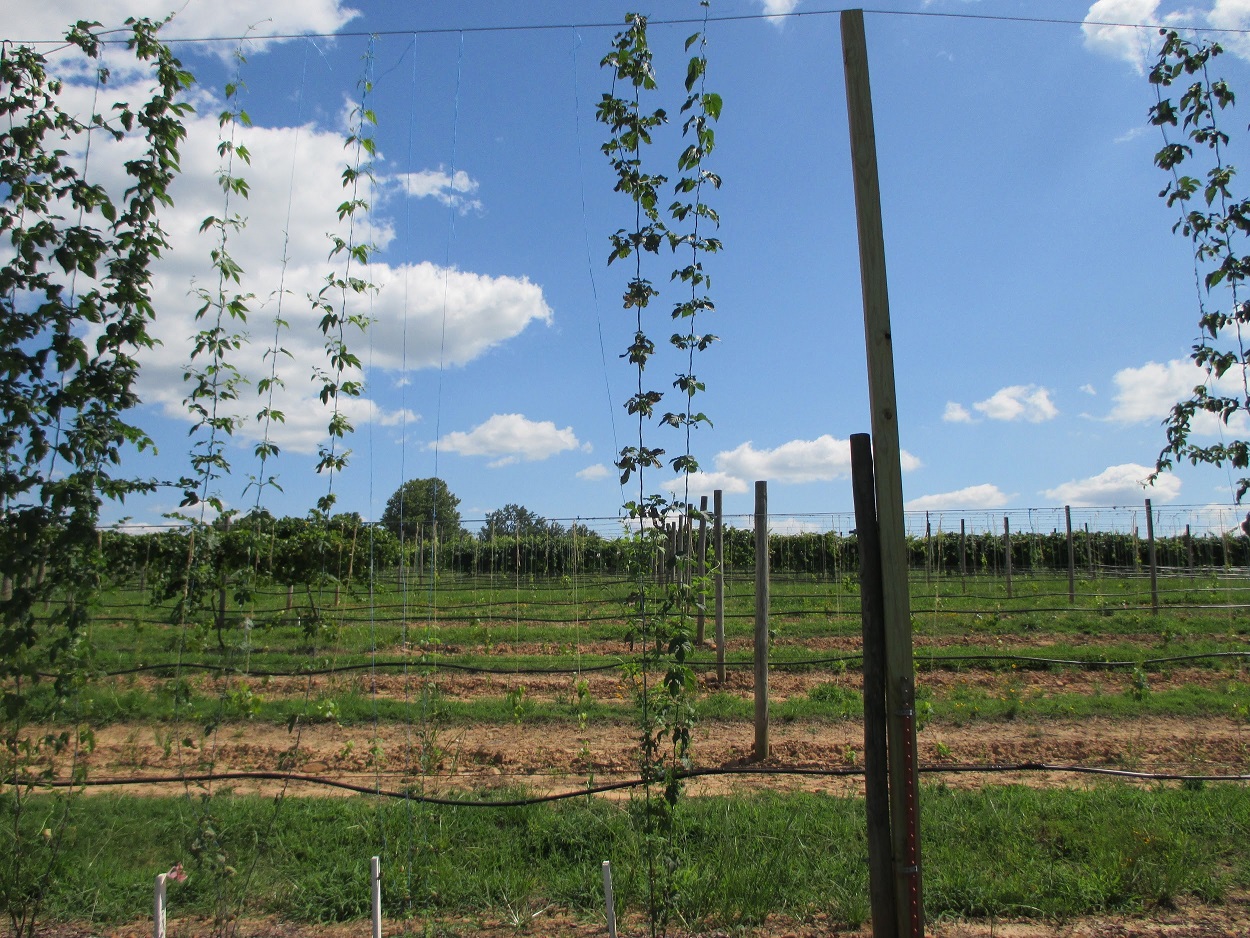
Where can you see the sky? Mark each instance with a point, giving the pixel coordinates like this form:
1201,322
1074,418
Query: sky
1042,308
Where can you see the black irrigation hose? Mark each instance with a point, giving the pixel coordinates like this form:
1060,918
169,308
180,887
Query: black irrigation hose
940,769
921,659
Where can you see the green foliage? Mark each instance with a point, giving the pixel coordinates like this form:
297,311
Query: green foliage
660,619
1217,222
518,521
215,381
418,505
336,301
67,372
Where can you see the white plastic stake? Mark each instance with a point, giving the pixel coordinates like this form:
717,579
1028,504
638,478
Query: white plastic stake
375,879
608,900
158,907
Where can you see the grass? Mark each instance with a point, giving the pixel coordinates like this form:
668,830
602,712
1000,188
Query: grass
1054,855
998,852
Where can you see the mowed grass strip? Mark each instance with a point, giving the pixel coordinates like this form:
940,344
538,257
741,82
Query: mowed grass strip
997,852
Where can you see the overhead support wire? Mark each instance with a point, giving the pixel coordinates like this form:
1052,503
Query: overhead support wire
676,21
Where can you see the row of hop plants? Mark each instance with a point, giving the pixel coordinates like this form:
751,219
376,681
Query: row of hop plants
257,550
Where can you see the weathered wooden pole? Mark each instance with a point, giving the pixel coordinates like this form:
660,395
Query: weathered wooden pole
1189,552
872,618
1153,558
718,541
1007,552
761,621
1067,517
896,602
701,572
351,558
928,549
963,554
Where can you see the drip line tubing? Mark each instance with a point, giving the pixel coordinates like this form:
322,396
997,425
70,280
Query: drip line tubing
684,775
921,659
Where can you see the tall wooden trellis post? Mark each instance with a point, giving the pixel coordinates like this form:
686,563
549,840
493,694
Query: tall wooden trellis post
900,691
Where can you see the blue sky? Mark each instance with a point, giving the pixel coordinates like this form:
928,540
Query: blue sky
1042,308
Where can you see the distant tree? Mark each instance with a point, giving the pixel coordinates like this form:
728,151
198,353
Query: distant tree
421,502
518,521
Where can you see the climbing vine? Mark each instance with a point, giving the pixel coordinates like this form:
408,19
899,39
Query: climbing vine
661,603
1217,223
333,301
215,380
68,369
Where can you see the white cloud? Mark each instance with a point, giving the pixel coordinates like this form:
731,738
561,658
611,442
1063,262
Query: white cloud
1232,14
447,316
1019,402
1115,485
820,460
705,483
1090,390
594,473
778,7
956,413
511,437
1131,134
193,19
449,189
785,524
1148,393
974,496
1129,43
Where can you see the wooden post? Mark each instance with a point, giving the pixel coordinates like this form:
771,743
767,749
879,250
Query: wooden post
896,601
963,554
1189,552
928,549
221,588
351,558
1007,552
1067,517
1152,558
419,556
872,618
718,541
688,547
701,570
375,883
1089,550
761,621
186,585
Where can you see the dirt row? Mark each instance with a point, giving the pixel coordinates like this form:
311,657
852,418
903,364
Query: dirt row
557,757
609,685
